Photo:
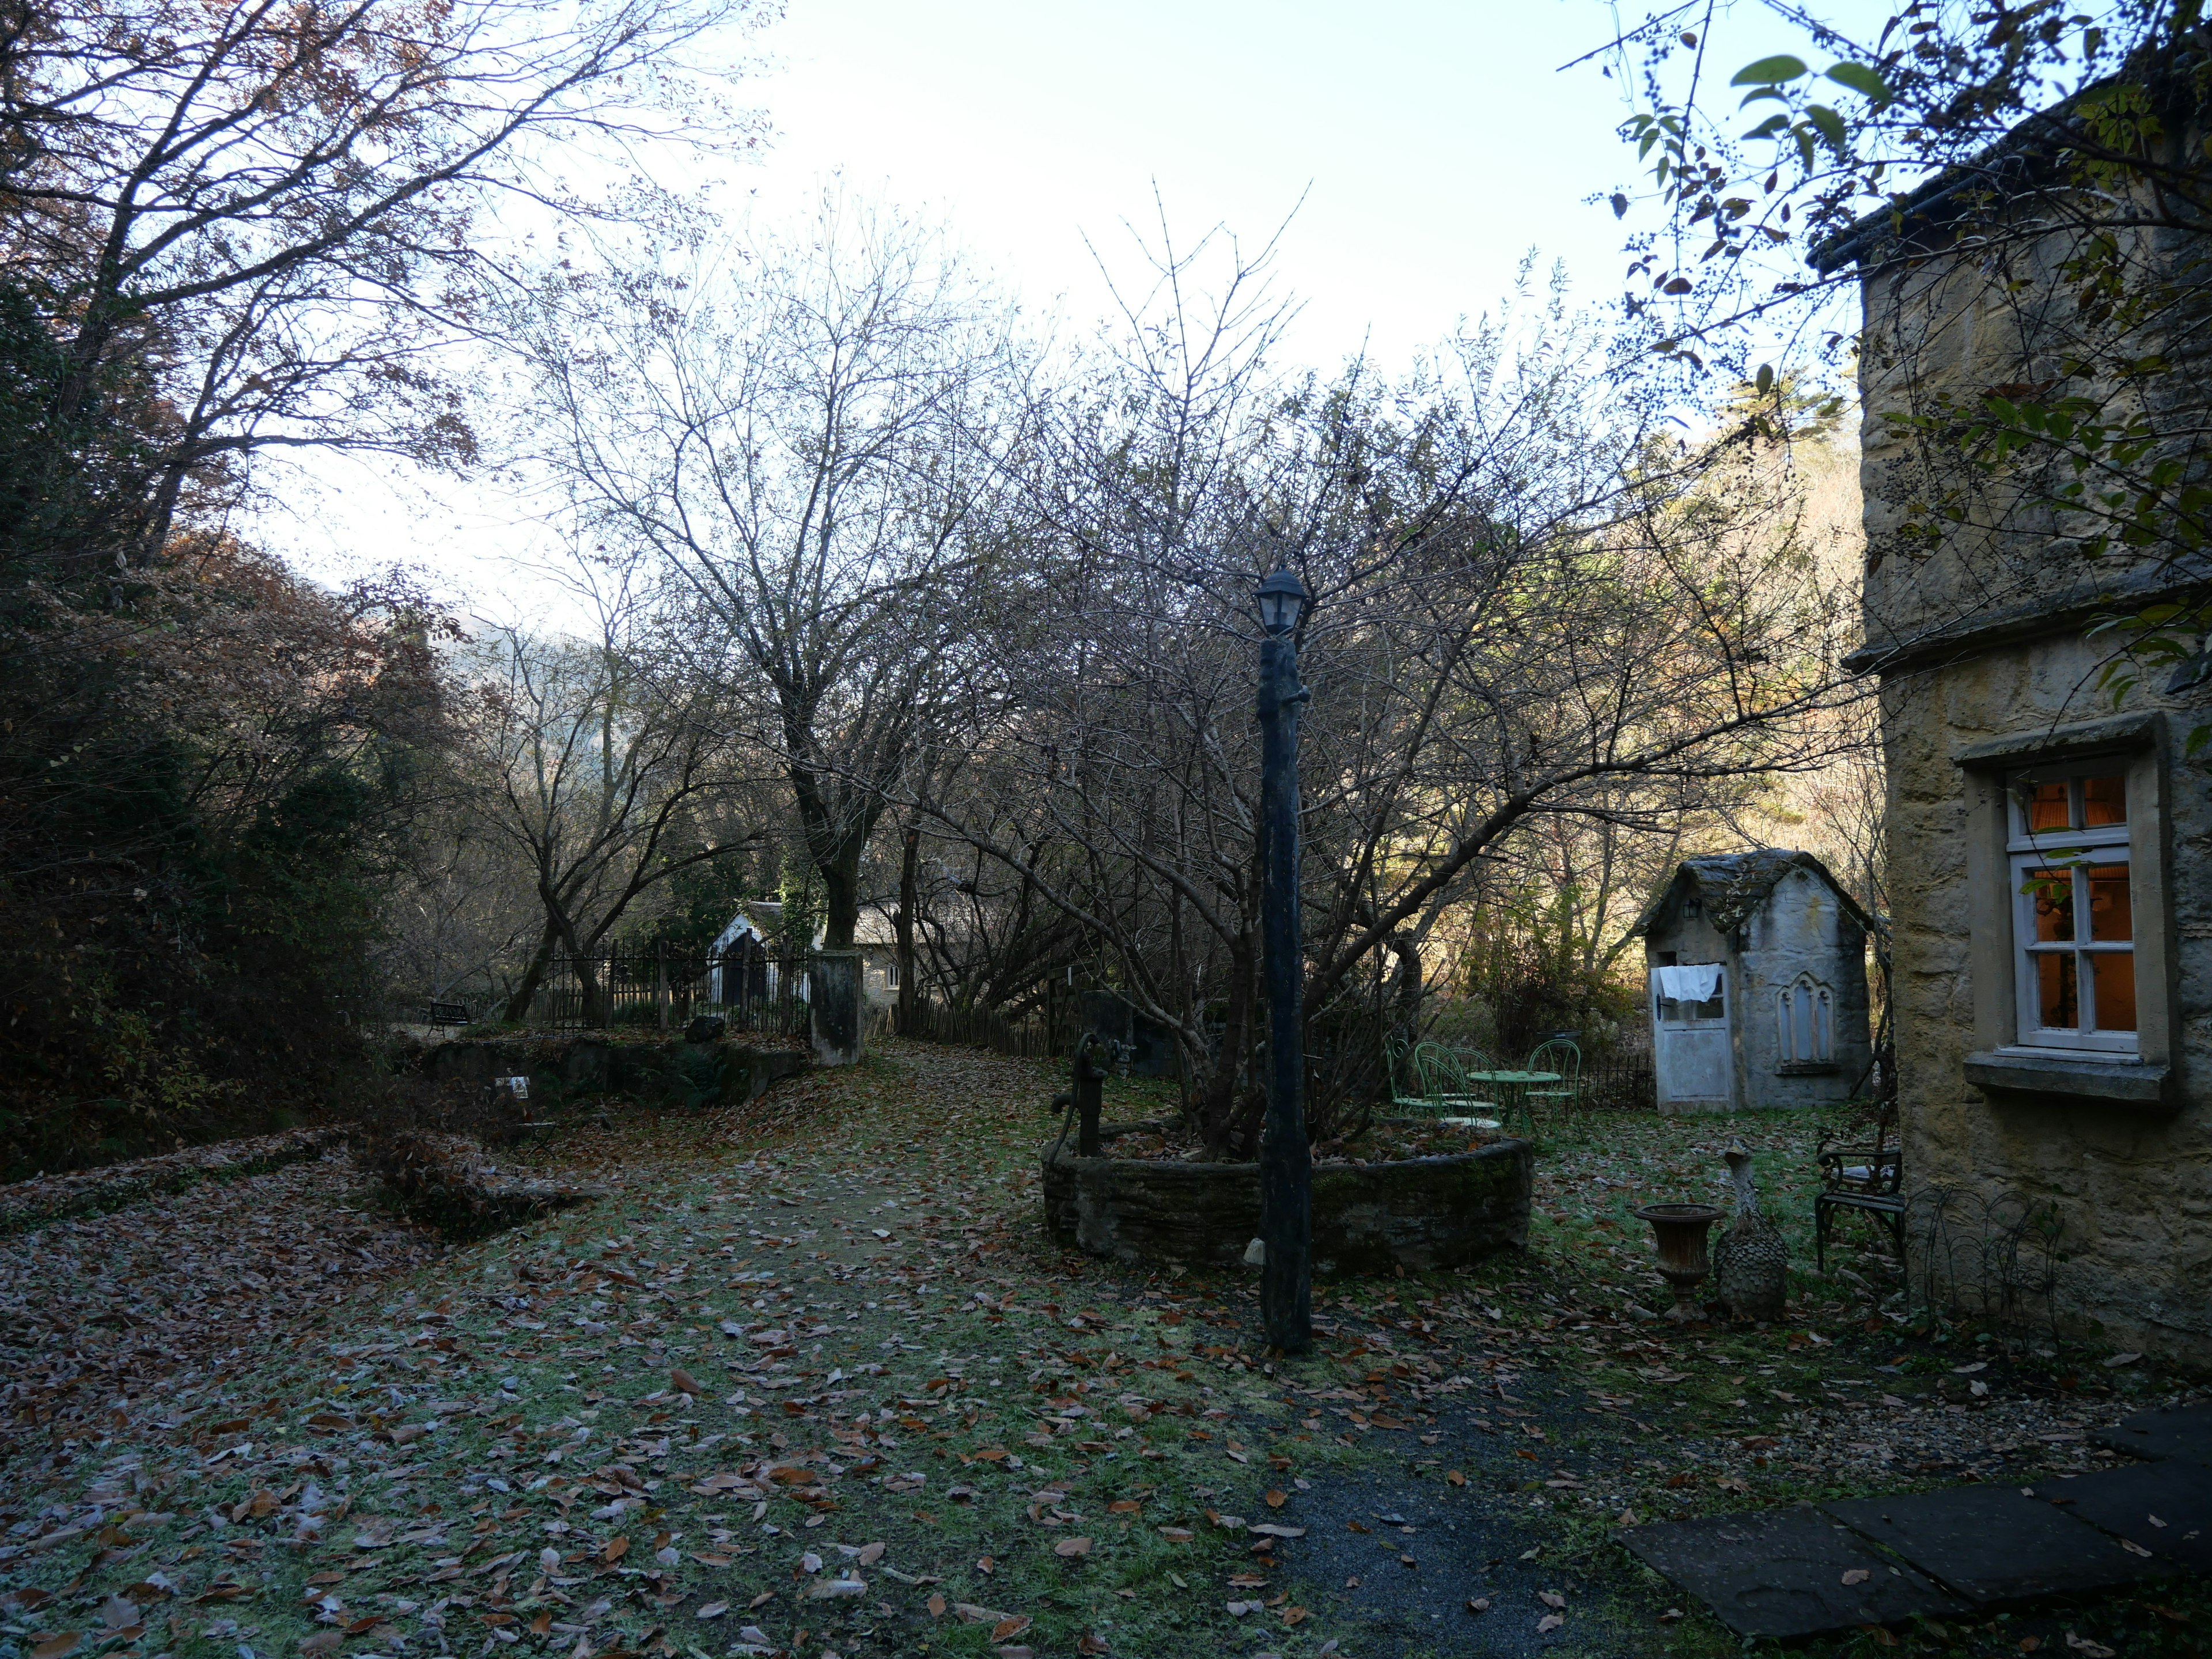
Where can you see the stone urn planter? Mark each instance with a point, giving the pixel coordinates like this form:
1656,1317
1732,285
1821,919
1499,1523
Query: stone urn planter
1416,1213
1683,1262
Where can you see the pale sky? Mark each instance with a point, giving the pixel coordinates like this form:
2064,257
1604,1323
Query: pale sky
1433,144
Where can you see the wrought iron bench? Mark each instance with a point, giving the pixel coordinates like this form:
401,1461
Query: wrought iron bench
1864,1178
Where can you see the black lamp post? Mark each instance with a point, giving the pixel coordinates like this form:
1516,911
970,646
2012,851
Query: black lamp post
1285,1162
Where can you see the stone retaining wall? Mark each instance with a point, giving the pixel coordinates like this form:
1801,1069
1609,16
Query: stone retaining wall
1420,1213
560,1069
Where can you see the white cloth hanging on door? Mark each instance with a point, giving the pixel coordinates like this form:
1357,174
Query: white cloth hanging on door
1697,981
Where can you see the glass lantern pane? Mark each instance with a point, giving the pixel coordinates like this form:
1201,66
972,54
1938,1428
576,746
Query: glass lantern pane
2112,907
2051,894
2112,973
2059,1002
2104,800
2047,807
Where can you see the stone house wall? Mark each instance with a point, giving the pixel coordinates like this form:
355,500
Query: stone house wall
1986,666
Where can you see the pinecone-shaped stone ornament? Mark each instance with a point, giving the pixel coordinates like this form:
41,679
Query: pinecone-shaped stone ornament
1751,1262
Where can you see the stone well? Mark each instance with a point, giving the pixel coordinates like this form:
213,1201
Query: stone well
1416,1213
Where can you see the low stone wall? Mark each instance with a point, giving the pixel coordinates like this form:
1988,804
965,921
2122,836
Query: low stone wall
561,1068
1420,1213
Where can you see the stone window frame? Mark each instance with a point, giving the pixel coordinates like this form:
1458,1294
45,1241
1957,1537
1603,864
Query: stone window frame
2001,1064
1819,1009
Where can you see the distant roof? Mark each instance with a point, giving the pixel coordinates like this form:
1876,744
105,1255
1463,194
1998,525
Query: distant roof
1731,885
748,918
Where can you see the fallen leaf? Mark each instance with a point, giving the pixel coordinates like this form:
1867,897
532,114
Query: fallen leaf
1011,1627
936,1605
1552,1600
1276,1498
760,1601
1858,1575
1177,1534
682,1379
1550,1621
1090,1645
617,1548
1478,1604
1071,1546
59,1645
1455,1477
712,1610
870,1553
1269,1529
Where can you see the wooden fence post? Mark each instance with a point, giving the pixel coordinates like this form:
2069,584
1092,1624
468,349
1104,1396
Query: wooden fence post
660,962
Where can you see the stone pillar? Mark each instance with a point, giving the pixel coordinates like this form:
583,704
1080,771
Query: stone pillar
833,989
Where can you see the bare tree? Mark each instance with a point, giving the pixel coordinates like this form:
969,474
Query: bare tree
1525,616
807,443
603,786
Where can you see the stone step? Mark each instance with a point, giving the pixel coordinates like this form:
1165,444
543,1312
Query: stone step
1788,1574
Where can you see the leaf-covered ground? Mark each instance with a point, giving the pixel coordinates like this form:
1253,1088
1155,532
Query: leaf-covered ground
812,1382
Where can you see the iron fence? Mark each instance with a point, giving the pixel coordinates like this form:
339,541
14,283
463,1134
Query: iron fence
1050,1033
758,993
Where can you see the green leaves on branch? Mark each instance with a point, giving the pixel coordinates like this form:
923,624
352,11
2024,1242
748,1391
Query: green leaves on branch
1770,72
1769,75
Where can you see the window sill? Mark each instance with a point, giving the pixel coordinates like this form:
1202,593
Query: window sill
2121,1082
1808,1068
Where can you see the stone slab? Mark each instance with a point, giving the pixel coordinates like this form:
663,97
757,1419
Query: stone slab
2185,1434
2167,1508
1994,1547
1779,1573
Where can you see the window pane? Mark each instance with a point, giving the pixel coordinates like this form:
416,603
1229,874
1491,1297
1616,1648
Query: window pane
2112,910
2104,800
2052,892
2057,1002
2114,975
2047,808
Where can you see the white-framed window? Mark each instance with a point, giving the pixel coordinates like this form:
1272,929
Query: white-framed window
890,973
1804,1011
2073,904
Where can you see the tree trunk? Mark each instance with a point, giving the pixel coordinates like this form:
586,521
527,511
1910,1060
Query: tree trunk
518,1004
1221,1097
909,899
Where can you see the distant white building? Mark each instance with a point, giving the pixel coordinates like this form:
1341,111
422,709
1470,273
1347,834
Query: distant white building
740,967
1758,986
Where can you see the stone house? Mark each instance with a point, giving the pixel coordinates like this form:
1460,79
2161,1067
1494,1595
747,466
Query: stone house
2051,887
1757,984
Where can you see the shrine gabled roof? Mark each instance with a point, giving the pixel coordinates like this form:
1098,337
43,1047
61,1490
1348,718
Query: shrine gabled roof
1731,885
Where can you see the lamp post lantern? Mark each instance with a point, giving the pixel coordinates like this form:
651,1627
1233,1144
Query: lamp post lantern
1285,1161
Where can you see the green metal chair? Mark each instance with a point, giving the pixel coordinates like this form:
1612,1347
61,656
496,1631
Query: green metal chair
1444,1083
1565,1056
1398,1066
